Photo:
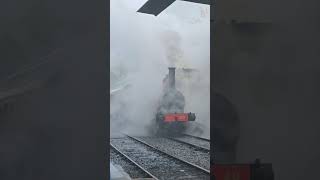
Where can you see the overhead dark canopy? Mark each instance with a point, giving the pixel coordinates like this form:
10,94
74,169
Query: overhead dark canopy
155,7
200,1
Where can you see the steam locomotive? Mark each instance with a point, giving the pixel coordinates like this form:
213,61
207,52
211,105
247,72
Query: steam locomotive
170,116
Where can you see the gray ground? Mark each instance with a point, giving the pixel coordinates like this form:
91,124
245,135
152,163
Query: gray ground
130,168
159,164
183,151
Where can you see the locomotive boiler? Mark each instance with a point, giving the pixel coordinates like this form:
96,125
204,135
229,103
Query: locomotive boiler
170,116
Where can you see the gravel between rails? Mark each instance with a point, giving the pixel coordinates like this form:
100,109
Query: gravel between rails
194,140
198,156
160,165
130,168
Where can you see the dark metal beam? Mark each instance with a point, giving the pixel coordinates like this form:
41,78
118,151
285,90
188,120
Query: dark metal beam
200,1
155,7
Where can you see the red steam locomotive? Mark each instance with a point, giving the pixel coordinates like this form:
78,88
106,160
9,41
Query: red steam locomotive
170,117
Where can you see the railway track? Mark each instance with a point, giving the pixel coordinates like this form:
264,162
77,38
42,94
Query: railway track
190,153
194,141
135,171
157,163
197,137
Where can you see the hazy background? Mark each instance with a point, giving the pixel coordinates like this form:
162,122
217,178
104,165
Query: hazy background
56,129
143,46
270,71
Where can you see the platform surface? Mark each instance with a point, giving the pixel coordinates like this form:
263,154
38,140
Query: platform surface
117,173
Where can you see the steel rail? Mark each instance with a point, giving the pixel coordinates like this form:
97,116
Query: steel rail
189,143
202,138
132,161
179,159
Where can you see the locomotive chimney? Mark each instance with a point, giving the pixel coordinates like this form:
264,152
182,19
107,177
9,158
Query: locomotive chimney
172,83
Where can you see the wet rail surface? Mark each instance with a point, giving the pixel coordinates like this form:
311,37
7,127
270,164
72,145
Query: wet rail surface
161,165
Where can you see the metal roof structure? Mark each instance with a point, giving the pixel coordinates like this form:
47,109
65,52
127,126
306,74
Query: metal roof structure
155,7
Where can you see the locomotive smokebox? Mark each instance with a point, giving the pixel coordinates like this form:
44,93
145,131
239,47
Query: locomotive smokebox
172,77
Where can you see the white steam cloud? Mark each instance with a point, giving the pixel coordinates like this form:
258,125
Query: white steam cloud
143,47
